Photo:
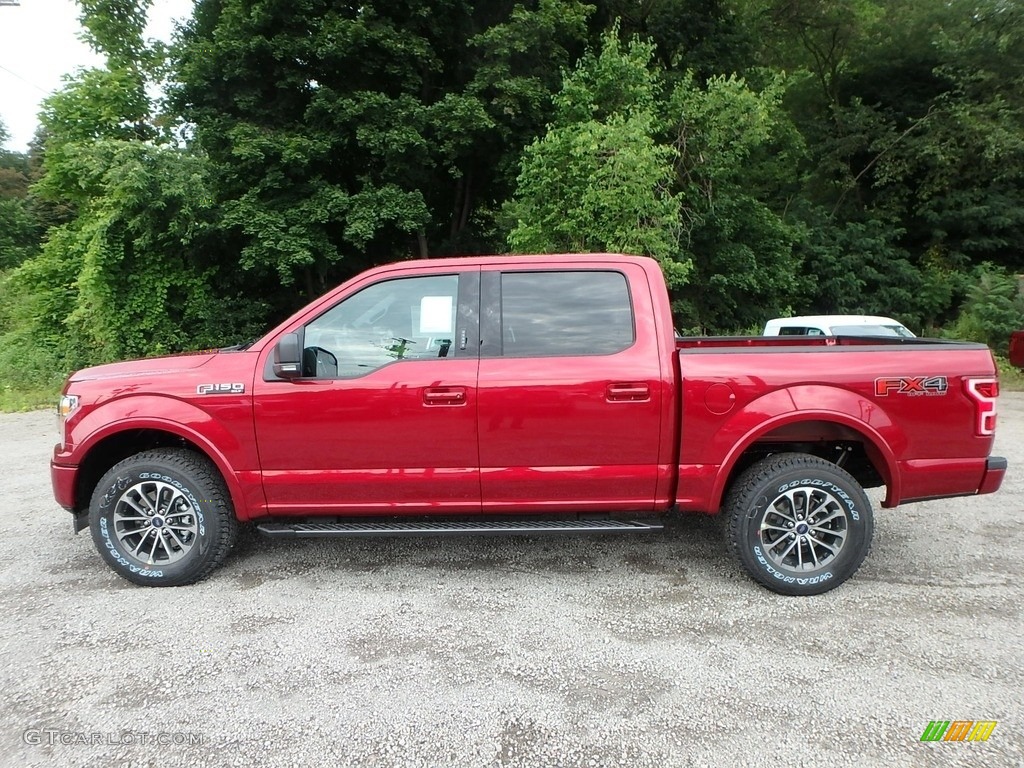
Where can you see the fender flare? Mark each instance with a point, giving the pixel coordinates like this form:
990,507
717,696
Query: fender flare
186,431
875,443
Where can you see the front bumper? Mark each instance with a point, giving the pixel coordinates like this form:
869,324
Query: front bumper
63,478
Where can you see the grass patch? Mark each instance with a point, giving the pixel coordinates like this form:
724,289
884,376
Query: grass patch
13,400
1010,379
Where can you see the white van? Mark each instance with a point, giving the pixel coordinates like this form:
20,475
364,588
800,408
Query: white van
836,325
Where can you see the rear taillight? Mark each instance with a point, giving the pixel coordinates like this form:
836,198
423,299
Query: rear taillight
984,393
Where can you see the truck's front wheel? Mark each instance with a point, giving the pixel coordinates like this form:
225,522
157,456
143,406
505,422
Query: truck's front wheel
798,524
162,518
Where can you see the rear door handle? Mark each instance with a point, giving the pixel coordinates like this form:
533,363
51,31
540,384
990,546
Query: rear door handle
628,392
444,396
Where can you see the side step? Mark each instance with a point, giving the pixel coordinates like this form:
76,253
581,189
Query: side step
443,528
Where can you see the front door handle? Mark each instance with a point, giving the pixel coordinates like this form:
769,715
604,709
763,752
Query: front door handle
444,396
629,392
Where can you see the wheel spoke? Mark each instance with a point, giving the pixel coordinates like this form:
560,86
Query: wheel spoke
811,545
774,510
788,549
829,547
822,530
142,539
134,505
798,499
135,513
164,543
174,536
152,549
144,497
158,506
820,507
829,519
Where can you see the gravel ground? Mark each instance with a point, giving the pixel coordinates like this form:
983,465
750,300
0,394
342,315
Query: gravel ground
643,650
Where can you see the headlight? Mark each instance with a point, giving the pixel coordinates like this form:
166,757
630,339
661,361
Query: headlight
66,406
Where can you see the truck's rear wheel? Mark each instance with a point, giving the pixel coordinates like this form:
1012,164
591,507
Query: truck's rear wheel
798,524
162,518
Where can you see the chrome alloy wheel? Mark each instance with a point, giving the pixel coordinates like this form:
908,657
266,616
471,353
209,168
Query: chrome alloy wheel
804,528
155,522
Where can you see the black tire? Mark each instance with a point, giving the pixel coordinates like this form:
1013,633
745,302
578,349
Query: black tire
163,518
770,532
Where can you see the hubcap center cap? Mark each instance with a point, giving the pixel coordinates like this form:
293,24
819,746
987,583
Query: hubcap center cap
802,528
157,522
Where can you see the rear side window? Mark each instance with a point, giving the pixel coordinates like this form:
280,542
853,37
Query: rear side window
793,330
546,314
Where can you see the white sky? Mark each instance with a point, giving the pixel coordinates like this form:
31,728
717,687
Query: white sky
39,43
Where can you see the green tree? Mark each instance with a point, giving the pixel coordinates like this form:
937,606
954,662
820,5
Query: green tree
126,273
992,310
598,180
705,37
736,156
19,231
347,135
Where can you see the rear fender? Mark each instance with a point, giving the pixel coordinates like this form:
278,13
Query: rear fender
809,403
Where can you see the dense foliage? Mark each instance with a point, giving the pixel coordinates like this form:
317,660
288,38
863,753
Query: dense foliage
774,155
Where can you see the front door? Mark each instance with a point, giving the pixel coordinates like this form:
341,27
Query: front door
383,419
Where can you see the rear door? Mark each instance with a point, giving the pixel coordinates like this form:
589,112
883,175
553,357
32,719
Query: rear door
570,396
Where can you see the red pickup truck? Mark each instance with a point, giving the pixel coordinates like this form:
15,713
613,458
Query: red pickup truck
519,395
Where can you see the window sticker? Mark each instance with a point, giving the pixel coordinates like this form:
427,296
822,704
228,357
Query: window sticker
436,314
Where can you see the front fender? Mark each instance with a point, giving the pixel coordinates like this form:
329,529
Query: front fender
224,434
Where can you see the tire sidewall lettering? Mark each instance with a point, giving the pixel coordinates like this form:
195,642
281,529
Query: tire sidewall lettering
839,491
122,559
775,574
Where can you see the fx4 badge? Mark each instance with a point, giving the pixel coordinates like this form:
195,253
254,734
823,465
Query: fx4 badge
220,389
914,386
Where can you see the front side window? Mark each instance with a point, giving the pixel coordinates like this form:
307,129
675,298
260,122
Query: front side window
410,318
565,313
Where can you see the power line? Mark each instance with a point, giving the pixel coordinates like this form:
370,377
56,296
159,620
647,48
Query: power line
15,74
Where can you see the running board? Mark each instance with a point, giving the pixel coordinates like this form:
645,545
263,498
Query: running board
441,528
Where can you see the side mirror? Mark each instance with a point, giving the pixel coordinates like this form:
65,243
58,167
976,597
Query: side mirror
288,357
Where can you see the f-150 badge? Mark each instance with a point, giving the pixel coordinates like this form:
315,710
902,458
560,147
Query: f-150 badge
220,389
914,386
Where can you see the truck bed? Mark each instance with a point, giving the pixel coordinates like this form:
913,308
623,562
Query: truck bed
882,401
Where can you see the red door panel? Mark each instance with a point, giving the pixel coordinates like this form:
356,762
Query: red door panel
380,444
571,432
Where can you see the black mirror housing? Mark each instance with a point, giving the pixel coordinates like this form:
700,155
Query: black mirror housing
288,357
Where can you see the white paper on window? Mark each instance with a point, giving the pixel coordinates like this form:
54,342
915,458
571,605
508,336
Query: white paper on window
436,315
